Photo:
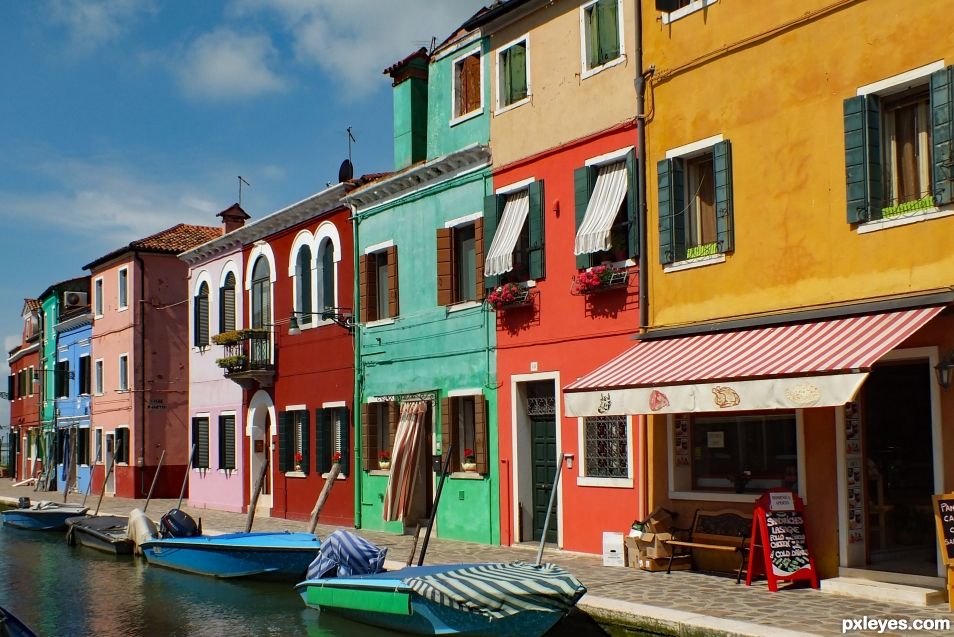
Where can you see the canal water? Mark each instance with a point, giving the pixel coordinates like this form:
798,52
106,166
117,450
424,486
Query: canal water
61,590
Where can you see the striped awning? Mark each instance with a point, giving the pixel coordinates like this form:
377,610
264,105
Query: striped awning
601,210
810,364
500,255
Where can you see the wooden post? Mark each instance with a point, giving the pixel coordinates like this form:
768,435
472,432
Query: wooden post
255,492
185,478
323,496
154,478
102,492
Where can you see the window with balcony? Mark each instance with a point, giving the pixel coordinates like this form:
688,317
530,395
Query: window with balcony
261,293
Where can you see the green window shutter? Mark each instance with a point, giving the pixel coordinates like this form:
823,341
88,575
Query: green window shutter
518,72
345,435
305,441
195,443
286,442
583,182
632,206
202,444
323,446
942,134
11,394
227,442
608,27
864,180
537,231
593,37
722,179
664,177
493,208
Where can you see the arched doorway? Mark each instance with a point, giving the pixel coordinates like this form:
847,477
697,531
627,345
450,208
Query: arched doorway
260,431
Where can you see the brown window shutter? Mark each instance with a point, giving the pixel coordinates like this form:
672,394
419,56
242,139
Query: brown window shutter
480,435
394,305
364,288
394,416
447,433
471,83
445,266
369,437
479,256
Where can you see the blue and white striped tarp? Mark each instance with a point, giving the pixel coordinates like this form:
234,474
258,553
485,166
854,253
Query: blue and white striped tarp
500,590
344,554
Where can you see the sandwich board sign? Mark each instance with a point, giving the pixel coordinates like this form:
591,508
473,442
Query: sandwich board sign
779,543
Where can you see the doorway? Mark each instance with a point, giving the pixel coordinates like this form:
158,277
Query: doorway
536,445
111,477
260,419
421,506
543,460
899,468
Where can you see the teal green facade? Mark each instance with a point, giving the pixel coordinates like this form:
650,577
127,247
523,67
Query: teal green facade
430,348
50,304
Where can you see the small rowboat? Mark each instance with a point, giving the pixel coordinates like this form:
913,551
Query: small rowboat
42,516
106,533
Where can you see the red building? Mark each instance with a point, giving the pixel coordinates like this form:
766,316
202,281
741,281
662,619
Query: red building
29,448
299,379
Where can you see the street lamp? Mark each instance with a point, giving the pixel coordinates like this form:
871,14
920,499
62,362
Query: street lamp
337,315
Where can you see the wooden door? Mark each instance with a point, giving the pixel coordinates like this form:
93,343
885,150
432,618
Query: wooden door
543,459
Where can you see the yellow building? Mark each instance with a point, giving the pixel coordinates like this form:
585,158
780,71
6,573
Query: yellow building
800,217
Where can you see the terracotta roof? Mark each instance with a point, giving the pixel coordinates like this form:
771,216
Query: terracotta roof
32,304
174,240
421,52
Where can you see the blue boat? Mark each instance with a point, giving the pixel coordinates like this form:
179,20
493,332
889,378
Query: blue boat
42,516
11,626
282,555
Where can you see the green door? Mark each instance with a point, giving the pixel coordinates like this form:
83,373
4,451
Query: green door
543,432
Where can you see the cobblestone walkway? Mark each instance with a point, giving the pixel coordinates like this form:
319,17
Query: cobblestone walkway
683,603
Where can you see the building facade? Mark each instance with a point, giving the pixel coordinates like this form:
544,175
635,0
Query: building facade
31,450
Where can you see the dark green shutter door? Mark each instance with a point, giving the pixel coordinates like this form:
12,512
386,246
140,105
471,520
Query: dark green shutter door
344,424
664,176
286,442
305,442
942,134
323,450
722,179
583,182
537,231
632,206
493,208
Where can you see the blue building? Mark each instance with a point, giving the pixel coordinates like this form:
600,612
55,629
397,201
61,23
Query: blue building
72,388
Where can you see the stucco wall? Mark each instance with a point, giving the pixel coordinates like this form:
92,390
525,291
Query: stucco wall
442,136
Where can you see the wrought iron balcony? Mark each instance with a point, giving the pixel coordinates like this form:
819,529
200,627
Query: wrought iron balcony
248,357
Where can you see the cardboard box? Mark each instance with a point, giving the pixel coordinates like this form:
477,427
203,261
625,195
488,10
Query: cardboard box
614,551
653,545
632,552
659,521
681,563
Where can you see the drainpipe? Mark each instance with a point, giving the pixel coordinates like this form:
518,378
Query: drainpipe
358,372
142,376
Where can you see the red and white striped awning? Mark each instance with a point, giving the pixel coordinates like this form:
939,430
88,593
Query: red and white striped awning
812,364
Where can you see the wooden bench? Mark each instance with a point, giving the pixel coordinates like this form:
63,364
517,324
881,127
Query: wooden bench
725,530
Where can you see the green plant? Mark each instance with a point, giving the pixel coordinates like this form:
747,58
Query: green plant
233,337
232,362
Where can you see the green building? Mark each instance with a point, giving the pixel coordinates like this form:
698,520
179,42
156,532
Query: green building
425,341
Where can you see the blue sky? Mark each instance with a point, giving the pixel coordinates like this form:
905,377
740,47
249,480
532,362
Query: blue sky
119,118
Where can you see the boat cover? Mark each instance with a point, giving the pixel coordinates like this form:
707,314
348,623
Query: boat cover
344,554
500,590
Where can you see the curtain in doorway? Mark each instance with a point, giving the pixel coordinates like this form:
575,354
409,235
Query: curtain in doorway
404,458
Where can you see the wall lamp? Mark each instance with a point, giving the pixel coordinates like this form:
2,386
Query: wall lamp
338,315
943,370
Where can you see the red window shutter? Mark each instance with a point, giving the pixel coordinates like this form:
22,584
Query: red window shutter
364,298
394,305
445,266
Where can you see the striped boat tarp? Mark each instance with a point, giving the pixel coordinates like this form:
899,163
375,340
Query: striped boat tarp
405,455
344,554
500,590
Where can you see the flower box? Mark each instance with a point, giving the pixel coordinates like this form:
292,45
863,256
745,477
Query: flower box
599,278
232,363
509,295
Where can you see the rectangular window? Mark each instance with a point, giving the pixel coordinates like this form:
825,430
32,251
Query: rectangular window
98,454
467,91
123,288
200,441
82,446
463,425
61,379
332,437
84,379
379,421
606,447
123,372
98,297
99,376
378,274
601,33
31,376
121,451
907,145
513,228
457,259
605,198
513,74
381,291
695,202
293,445
227,442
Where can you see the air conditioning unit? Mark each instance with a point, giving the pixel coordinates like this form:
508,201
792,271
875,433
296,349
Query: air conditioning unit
74,299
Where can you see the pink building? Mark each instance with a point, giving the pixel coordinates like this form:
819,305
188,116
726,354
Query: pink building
216,416
140,374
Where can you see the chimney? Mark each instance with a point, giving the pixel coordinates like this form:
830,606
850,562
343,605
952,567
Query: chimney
233,217
409,79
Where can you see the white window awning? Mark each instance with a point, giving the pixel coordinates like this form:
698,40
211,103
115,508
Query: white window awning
607,197
500,256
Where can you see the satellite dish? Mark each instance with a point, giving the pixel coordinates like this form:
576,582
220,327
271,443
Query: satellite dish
346,171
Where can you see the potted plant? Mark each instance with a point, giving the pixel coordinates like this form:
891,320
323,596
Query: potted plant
335,457
470,461
384,459
599,277
508,295
230,337
298,458
232,363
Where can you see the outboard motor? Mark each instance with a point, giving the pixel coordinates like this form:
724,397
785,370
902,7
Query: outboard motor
23,502
177,523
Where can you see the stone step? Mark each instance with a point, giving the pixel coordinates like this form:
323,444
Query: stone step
884,591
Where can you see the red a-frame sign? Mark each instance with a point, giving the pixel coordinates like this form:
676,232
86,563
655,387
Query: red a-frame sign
779,544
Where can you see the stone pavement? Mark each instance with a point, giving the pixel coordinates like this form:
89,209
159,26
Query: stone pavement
682,603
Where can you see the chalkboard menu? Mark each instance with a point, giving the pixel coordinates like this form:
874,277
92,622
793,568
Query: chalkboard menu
778,529
944,517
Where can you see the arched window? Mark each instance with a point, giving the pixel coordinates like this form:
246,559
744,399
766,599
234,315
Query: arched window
326,280
201,322
303,285
227,304
261,293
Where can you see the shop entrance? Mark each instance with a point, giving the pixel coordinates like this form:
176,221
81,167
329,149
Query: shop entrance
899,468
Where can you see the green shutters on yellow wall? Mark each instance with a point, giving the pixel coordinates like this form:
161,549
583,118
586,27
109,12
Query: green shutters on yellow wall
942,134
602,33
513,73
863,171
722,178
672,204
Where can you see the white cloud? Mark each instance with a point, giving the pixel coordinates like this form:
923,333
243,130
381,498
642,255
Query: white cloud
355,41
224,64
90,23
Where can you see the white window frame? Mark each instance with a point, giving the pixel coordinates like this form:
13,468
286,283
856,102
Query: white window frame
99,377
463,117
79,388
98,446
202,277
297,441
337,434
30,382
98,304
122,289
123,364
583,480
498,108
128,444
325,235
692,7
586,71
236,451
208,437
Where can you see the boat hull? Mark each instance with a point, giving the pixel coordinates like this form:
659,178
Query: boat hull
274,556
106,534
45,519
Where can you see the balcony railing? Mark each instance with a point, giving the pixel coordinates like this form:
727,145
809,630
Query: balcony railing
248,356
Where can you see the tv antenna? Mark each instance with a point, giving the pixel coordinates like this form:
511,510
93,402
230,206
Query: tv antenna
241,181
350,139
